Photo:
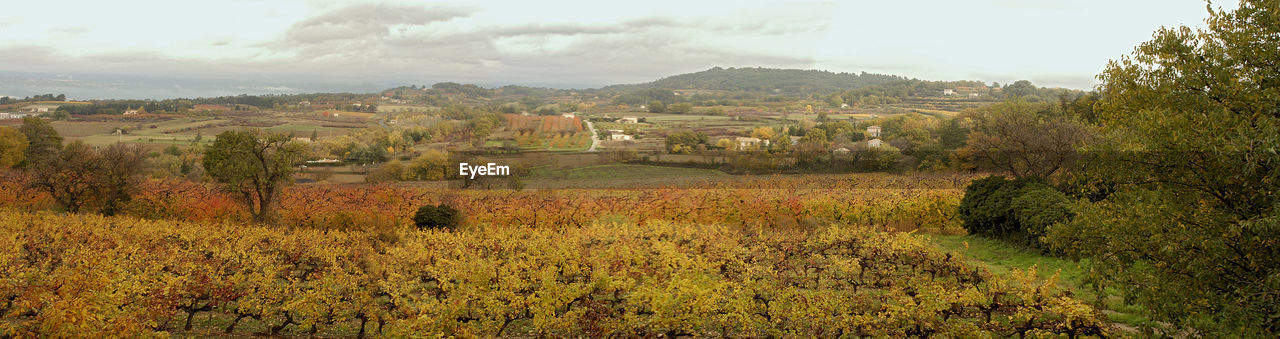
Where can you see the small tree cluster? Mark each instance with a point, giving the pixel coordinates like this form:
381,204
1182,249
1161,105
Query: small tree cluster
1021,209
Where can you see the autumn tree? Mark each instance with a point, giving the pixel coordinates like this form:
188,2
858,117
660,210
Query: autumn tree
69,175
79,177
1190,231
255,164
119,174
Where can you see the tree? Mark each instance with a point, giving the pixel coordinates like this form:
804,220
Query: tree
685,141
431,165
1024,139
680,108
69,175
13,147
1190,231
762,133
255,164
1020,88
43,141
60,115
437,217
120,168
656,106
815,136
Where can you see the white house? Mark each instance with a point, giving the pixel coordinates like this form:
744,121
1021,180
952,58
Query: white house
747,143
948,92
569,115
629,120
874,143
617,134
840,151
873,131
973,95
132,111
844,105
41,108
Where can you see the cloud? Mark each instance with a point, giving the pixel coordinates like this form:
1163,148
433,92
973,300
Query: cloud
451,43
361,25
394,42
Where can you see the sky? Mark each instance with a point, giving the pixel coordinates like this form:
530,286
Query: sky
161,49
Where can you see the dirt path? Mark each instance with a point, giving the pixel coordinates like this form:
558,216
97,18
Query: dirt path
595,139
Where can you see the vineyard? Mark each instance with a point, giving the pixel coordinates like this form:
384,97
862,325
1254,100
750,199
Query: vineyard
751,259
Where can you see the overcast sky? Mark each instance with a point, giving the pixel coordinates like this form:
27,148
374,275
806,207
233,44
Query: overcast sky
156,49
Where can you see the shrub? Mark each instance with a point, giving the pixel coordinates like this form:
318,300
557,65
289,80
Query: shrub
1019,210
440,216
1037,208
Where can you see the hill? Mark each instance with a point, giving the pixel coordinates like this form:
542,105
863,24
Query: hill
769,80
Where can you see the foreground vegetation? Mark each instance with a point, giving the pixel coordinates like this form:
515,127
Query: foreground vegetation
122,276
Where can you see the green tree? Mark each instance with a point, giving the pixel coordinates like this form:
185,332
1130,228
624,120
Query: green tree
437,217
816,136
43,142
13,147
1191,229
60,115
254,164
656,106
685,141
1020,88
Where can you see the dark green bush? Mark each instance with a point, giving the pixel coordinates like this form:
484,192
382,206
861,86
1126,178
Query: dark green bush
1037,208
1018,210
437,217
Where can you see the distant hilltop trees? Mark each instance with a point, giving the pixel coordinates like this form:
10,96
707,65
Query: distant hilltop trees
41,97
767,80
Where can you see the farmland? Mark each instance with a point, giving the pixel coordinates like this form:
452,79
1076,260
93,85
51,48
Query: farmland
578,233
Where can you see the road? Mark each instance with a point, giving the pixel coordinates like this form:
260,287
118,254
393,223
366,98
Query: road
595,139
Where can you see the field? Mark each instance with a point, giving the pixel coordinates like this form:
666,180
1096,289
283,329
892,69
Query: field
183,130
820,256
